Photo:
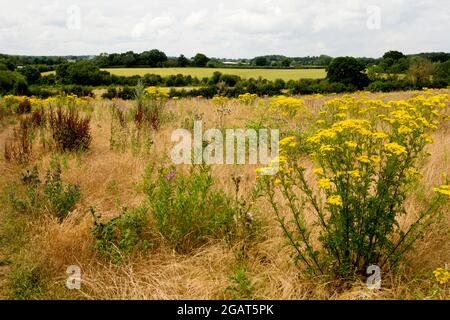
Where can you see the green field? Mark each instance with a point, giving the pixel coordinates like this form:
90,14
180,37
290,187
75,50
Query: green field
270,74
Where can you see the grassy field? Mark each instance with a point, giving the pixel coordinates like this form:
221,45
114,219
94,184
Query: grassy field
117,171
270,74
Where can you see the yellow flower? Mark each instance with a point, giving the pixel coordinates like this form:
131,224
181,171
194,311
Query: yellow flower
318,171
395,148
444,189
335,200
326,148
363,159
324,184
287,141
442,276
351,144
379,135
277,181
354,173
375,159
404,130
426,138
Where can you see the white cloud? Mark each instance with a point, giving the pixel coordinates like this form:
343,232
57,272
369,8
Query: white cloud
231,28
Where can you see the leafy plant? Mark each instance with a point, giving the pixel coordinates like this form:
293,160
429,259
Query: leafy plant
188,210
52,195
119,236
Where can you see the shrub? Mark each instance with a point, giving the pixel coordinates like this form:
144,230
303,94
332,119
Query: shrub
51,195
367,155
25,282
188,210
70,131
119,236
61,200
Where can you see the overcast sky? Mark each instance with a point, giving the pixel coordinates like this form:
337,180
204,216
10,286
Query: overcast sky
231,29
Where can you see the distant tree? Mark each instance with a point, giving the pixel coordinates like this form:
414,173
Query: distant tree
394,55
420,71
152,58
261,61
182,61
129,59
31,73
12,82
83,73
200,60
286,62
347,70
441,73
323,60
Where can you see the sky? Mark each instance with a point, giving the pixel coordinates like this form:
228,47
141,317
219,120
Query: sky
226,29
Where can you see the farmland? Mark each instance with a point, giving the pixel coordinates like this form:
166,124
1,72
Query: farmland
270,74
104,195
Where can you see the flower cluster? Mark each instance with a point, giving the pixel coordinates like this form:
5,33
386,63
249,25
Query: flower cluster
442,276
247,98
156,93
287,106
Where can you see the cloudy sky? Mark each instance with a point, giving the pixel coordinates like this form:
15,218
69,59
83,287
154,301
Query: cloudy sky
231,29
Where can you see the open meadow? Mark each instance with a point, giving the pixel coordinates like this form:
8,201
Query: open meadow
89,186
269,74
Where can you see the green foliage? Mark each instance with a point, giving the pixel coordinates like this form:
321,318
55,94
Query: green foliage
188,210
25,282
200,60
347,70
12,82
442,73
61,200
52,195
119,236
240,287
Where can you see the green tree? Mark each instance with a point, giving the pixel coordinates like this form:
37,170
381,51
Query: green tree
420,71
200,60
394,55
182,61
261,61
31,73
347,70
441,73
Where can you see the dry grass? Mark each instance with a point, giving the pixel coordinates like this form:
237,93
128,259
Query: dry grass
110,180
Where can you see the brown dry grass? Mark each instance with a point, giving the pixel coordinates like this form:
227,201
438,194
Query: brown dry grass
110,180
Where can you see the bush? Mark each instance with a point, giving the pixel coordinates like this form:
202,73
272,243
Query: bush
61,200
70,131
118,237
188,210
367,155
26,282
52,195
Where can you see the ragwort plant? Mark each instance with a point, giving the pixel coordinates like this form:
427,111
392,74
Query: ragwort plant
367,153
